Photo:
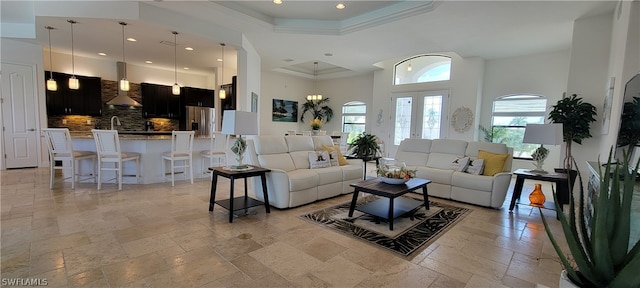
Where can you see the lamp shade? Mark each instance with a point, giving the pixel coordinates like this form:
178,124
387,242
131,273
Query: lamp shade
550,134
239,123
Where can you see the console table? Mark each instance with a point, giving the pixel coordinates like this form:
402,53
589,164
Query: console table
560,179
238,203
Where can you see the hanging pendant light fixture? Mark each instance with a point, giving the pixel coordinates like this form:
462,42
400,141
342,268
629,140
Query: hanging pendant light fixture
52,85
73,81
124,83
176,88
222,94
315,97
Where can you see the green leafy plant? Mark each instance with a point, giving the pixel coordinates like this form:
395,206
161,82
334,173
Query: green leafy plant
600,246
364,146
576,117
319,110
629,134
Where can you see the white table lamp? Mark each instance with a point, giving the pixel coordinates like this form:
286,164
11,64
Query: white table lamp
550,134
239,123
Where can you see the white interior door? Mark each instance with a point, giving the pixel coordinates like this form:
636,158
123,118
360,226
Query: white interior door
19,118
419,115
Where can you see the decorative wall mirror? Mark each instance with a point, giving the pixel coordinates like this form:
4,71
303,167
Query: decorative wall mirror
462,119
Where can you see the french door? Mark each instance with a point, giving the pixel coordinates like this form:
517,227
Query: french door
419,115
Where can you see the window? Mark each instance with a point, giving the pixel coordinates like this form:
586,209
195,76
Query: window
511,114
354,116
422,68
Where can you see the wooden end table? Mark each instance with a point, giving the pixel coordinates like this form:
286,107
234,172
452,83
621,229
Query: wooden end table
364,162
388,208
560,179
238,203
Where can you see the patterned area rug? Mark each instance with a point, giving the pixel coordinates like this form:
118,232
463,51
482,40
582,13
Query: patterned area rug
411,233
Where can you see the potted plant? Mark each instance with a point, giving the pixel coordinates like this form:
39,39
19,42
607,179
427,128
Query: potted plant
629,134
318,109
576,117
600,252
316,125
364,146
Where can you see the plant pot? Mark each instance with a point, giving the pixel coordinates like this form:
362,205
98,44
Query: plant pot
315,132
565,282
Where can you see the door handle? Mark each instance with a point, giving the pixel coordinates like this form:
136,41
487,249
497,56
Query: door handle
31,129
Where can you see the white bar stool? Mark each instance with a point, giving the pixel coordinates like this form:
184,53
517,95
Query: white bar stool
108,147
181,150
60,149
217,151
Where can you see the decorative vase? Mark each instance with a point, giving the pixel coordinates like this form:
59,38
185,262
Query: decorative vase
537,197
315,132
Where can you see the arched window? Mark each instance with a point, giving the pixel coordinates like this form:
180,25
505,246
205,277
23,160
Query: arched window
511,113
354,118
422,68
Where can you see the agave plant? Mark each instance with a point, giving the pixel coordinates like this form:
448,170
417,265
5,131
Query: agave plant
600,246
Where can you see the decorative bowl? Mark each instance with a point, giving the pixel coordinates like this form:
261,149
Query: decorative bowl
394,181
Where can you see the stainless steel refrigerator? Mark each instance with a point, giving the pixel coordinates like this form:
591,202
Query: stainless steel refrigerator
201,119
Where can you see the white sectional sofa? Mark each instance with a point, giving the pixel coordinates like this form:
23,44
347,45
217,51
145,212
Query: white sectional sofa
291,182
433,159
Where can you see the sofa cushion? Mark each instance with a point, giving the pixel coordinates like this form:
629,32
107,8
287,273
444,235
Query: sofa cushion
493,163
460,164
474,147
270,145
301,158
444,151
414,152
319,159
476,166
442,176
301,179
329,175
341,160
277,161
297,143
471,181
319,141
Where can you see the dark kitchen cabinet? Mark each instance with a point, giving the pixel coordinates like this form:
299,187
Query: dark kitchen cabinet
159,102
198,97
229,103
87,100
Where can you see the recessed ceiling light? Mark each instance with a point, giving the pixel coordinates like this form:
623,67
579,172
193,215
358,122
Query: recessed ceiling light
328,54
219,59
277,2
188,48
131,39
186,68
102,54
288,60
340,6
148,62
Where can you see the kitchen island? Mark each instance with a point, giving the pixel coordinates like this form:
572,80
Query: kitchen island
150,145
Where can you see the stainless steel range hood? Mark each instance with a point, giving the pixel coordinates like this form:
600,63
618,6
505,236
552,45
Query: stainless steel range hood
122,99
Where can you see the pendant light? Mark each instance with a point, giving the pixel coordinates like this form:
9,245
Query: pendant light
73,81
176,88
222,94
52,85
124,83
315,97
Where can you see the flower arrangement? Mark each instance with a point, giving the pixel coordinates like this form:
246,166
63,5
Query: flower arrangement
395,170
316,124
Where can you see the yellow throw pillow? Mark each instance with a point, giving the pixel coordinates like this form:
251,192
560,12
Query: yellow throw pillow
341,160
493,163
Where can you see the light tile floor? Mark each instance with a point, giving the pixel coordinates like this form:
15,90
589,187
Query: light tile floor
162,236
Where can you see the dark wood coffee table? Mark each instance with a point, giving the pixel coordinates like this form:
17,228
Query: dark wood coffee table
388,208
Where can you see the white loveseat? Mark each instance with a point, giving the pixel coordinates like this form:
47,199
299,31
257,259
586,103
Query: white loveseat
291,182
433,159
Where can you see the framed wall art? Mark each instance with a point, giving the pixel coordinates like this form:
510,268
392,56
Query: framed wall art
284,111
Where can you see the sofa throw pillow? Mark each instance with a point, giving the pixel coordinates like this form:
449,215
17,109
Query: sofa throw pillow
475,166
333,158
493,163
460,164
319,159
341,160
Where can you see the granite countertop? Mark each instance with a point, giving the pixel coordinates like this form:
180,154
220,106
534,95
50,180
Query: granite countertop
133,135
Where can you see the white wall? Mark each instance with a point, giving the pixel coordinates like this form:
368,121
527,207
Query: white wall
541,74
340,91
275,85
588,78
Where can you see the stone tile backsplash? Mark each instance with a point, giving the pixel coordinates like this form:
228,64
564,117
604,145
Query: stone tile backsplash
130,118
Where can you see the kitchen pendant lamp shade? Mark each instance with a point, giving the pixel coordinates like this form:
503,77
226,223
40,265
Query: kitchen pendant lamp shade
175,90
73,81
52,85
124,83
223,93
